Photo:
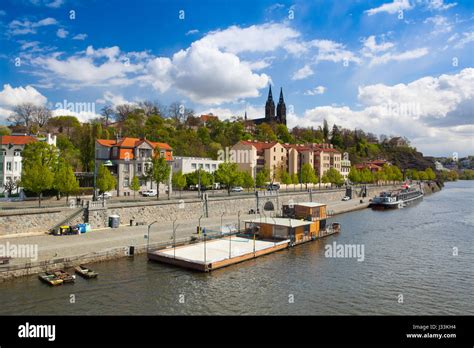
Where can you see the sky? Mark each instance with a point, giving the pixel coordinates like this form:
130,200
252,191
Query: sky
401,67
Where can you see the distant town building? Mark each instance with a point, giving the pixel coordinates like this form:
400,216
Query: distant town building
11,159
373,166
191,164
439,166
345,166
398,142
130,157
208,117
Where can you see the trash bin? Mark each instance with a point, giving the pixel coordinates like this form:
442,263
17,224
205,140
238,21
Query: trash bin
82,228
114,221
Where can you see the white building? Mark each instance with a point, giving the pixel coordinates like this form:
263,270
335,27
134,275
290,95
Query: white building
11,148
345,166
191,164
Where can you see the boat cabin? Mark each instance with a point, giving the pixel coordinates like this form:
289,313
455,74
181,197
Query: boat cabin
269,228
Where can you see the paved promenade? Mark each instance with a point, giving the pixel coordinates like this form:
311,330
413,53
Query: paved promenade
104,239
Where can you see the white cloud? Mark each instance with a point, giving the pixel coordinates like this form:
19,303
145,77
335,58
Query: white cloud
256,38
192,32
407,55
113,99
316,90
86,71
62,33
207,75
441,24
333,51
434,112
55,3
303,73
11,96
80,37
370,46
440,5
466,38
17,27
391,7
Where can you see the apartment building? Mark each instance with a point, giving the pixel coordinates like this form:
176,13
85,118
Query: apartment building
129,157
191,164
11,148
253,156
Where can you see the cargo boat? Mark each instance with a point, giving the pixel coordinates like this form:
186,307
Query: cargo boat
64,276
50,279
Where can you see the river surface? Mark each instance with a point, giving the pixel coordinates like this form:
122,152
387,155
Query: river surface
407,252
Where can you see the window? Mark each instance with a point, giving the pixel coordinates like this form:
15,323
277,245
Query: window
193,165
274,158
17,153
213,166
208,166
9,166
126,182
200,165
139,167
281,149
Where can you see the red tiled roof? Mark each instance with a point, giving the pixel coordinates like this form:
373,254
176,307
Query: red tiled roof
16,139
132,142
259,145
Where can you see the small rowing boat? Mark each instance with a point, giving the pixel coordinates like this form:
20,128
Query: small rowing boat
85,272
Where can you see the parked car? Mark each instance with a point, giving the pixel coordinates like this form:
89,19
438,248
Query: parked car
104,195
273,187
236,189
149,193
346,198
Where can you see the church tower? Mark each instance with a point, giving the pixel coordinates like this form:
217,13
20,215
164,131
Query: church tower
281,109
270,107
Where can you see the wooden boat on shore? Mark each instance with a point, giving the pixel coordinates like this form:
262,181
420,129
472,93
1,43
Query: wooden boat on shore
50,279
85,272
66,277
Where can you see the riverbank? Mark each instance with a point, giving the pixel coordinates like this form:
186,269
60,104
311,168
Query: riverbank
106,243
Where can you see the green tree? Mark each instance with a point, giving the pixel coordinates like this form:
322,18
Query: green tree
333,176
262,177
247,181
135,185
422,175
179,181
5,131
354,175
37,177
161,171
105,180
65,181
430,174
228,174
366,176
308,175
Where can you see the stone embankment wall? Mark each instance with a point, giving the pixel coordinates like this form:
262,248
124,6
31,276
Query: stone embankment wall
41,220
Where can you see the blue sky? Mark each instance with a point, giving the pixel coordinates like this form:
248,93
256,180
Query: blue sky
402,67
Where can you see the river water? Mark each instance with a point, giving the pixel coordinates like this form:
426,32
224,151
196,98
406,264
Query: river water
407,253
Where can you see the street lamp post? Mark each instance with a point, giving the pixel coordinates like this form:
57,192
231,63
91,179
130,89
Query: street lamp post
199,225
148,236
